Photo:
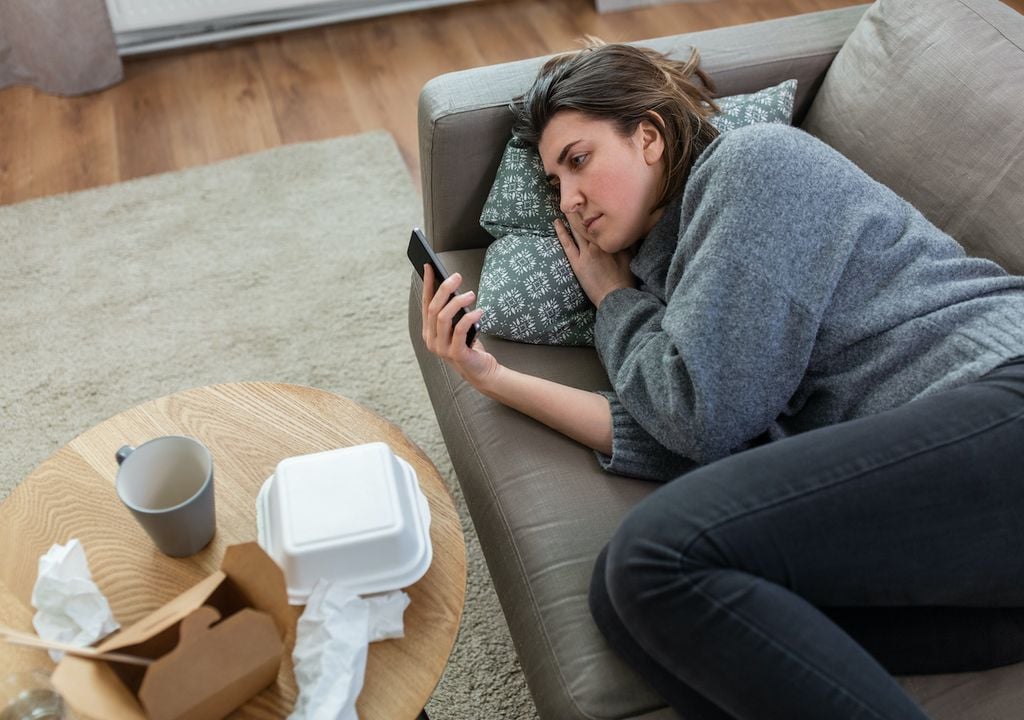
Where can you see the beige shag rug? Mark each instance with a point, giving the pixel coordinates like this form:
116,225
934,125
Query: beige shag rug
288,265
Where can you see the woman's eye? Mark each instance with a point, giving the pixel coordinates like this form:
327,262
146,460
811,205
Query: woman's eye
578,160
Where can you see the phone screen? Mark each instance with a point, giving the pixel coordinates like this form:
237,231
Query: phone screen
420,253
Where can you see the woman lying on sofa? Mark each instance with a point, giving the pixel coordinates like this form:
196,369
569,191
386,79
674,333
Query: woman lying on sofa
832,391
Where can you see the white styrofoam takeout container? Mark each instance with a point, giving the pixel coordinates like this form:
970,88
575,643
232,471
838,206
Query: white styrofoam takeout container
355,515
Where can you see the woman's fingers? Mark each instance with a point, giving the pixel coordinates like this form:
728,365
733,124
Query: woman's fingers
446,339
461,331
459,302
444,291
438,302
443,325
428,284
569,245
440,335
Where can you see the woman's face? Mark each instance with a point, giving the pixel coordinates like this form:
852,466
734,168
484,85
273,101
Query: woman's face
608,184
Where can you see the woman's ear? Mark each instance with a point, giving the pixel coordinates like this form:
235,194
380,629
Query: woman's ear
651,140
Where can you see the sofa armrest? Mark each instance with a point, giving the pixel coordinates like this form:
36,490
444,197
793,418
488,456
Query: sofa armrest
464,120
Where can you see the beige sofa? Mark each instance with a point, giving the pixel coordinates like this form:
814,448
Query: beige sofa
925,95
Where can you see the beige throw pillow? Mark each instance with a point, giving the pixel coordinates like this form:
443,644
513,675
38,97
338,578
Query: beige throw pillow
927,96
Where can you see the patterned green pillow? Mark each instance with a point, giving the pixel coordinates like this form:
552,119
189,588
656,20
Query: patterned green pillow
527,287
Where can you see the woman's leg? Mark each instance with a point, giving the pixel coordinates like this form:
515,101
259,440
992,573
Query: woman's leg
717,575
905,640
927,640
676,693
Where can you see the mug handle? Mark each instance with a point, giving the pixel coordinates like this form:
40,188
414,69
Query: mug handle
124,452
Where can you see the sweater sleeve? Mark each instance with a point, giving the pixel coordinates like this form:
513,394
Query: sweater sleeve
709,371
635,453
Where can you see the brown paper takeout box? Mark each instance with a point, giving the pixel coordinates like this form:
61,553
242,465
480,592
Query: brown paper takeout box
202,669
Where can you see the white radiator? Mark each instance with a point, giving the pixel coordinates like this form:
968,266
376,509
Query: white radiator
151,25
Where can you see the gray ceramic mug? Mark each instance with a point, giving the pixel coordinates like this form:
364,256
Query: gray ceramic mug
167,483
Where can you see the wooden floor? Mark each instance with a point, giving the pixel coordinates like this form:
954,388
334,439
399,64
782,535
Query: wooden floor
191,107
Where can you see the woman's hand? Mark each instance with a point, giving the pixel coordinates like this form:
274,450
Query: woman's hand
447,342
584,416
599,272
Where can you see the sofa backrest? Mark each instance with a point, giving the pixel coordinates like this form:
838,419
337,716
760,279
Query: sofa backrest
465,122
927,96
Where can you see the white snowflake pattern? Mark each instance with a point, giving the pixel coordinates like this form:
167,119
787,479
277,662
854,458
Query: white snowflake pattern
556,335
525,204
511,244
522,262
489,321
523,327
537,285
772,104
561,335
497,277
510,302
561,271
549,311
572,295
548,246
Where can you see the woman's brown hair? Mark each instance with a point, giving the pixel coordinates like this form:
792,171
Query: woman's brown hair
626,84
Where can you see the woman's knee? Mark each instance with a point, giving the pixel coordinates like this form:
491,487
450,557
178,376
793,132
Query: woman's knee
663,542
598,599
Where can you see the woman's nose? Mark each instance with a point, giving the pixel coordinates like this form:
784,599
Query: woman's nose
570,198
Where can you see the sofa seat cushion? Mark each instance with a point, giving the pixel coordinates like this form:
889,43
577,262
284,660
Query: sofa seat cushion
927,96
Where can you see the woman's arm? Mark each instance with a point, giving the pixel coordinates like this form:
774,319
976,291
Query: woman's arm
584,416
581,415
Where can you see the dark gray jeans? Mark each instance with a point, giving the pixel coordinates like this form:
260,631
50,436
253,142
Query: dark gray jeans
789,581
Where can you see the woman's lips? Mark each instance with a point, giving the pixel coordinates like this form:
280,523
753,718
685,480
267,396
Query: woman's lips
591,221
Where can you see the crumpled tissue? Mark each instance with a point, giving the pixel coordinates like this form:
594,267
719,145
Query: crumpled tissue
331,644
71,608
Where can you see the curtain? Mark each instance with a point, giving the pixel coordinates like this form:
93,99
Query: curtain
64,47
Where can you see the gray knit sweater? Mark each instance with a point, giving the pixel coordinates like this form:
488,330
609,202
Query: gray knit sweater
783,291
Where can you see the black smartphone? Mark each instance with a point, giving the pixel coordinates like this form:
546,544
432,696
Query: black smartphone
420,253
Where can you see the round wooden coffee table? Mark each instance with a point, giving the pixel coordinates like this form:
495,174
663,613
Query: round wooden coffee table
249,428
